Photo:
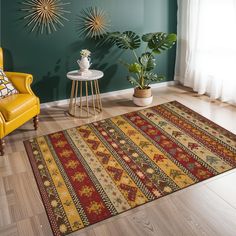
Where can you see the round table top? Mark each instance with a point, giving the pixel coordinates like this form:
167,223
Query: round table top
94,75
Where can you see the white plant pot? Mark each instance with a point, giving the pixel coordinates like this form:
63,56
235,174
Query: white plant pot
142,102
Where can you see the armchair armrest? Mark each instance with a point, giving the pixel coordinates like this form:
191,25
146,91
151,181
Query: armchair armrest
21,81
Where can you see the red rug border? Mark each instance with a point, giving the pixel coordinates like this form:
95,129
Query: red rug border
41,189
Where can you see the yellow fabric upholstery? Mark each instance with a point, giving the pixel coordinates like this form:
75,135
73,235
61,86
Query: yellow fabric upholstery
17,109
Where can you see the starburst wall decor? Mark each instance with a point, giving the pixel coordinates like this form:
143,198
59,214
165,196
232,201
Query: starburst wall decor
93,22
44,16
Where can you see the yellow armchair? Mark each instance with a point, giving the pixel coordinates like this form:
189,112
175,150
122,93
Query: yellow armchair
17,109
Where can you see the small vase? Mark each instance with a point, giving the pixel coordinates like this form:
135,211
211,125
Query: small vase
84,64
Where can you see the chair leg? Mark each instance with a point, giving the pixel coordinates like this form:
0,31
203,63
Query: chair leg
36,122
2,144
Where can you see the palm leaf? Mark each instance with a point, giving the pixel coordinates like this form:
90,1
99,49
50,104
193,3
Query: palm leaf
147,37
125,40
133,81
148,61
151,76
160,41
135,68
128,40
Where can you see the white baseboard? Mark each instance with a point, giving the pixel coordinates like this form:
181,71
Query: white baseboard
108,94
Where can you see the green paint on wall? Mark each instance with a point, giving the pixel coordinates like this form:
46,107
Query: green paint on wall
50,57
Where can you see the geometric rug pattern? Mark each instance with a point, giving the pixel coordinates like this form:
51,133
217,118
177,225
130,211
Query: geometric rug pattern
95,171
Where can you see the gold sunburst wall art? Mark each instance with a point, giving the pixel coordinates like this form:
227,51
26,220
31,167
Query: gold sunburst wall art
44,16
93,22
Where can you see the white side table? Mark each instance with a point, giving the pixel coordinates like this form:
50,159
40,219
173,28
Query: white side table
90,108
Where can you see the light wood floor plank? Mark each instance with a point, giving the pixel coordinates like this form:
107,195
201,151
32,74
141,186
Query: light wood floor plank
9,230
225,188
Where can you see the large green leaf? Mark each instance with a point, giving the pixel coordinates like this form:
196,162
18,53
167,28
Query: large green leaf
133,81
125,40
148,61
151,76
161,42
112,37
147,37
128,40
135,68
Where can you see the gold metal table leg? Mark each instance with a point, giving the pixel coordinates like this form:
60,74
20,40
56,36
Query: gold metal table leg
94,107
72,96
97,98
81,94
86,84
75,97
95,103
100,101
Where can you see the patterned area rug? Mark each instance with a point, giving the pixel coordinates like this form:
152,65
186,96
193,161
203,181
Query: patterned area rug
95,171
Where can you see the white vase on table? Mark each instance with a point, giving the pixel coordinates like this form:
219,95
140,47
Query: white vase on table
84,65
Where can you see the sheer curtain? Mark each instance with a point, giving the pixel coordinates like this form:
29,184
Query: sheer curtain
206,48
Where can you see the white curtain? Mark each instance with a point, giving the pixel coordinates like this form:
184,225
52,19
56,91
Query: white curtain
206,48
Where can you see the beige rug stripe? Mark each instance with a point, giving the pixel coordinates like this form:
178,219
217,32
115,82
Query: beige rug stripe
125,178
104,179
185,139
203,126
166,165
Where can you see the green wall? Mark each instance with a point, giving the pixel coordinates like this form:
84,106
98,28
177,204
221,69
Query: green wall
50,57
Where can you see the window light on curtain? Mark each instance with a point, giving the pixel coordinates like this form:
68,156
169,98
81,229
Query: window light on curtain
206,48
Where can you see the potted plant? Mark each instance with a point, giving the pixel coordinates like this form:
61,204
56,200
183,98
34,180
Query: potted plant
142,68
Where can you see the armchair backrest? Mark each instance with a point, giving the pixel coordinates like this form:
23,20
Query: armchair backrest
1,59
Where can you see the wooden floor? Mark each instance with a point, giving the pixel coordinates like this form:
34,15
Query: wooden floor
207,208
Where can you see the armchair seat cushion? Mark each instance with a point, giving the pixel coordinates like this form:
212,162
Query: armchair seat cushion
14,105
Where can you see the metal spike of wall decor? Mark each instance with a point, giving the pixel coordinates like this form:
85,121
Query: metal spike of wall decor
44,16
93,22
